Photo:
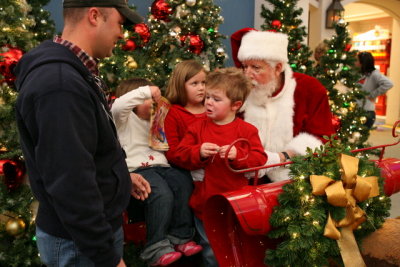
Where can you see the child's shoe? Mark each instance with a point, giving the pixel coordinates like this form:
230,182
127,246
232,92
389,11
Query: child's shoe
188,249
167,259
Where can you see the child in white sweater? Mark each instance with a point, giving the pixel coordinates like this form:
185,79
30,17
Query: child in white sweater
167,214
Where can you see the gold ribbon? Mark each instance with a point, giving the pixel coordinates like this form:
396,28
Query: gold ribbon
346,193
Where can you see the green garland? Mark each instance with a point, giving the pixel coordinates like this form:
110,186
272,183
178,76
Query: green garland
300,219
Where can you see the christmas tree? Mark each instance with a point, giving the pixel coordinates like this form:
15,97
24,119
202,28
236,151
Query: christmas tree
337,72
177,30
284,16
22,27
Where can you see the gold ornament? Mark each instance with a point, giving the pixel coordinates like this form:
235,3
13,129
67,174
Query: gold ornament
352,106
15,226
343,111
363,119
190,2
132,65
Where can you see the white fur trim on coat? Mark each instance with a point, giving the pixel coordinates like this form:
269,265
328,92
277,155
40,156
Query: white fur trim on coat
300,143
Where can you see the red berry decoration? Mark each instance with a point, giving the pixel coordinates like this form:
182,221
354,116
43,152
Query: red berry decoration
336,123
8,60
276,24
161,10
196,45
13,171
129,45
143,31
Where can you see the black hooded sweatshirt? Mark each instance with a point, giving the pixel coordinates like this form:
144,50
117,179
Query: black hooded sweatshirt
75,164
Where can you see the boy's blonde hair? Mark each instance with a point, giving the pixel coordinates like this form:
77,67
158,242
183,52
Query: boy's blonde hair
128,85
184,71
230,80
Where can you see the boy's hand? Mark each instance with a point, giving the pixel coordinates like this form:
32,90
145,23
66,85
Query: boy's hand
232,152
155,93
208,149
140,186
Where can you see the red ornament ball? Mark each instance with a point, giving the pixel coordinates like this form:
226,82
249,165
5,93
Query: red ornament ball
129,45
276,23
336,123
143,30
8,60
161,10
196,45
13,171
347,47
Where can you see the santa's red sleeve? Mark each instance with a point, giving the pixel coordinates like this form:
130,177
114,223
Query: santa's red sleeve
312,115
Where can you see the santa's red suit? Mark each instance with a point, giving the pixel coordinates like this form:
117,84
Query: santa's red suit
295,117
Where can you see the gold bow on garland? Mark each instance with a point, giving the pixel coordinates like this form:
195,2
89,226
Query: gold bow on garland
346,193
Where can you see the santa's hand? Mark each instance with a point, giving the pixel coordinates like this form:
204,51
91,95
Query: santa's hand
208,149
140,186
232,152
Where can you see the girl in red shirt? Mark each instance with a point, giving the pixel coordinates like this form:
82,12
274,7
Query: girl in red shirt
186,92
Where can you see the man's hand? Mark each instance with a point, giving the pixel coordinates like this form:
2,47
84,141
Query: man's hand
232,152
121,263
155,93
208,149
140,186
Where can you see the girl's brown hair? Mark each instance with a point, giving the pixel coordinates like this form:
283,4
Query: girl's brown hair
184,71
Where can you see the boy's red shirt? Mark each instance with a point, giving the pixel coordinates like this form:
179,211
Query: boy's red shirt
218,178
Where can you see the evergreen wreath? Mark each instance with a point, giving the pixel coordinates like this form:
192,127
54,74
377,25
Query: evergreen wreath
300,218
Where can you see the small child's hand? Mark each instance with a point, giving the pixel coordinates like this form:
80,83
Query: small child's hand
232,152
155,93
208,149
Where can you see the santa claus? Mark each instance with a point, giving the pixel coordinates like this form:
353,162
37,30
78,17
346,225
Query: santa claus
290,110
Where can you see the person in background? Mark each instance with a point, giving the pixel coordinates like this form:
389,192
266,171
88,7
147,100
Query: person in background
373,82
205,146
320,51
76,166
290,110
169,220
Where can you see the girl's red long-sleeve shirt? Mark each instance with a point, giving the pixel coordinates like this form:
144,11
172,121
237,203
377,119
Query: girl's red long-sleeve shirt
218,178
176,124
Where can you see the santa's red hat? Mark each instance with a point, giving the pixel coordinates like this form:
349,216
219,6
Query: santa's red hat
248,43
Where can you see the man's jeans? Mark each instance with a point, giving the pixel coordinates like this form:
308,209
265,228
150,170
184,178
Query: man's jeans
58,252
169,220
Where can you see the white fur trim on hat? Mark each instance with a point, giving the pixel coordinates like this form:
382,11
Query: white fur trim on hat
264,46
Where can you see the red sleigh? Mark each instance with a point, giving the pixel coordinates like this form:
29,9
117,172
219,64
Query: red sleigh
237,222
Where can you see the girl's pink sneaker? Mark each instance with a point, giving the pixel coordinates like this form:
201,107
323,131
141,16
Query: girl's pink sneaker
167,259
188,249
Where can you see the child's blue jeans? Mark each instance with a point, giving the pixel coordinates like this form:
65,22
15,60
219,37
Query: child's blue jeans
168,217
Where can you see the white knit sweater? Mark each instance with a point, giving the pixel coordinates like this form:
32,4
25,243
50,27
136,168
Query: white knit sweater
133,132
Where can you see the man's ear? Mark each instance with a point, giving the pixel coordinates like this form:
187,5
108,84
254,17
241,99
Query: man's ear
237,105
93,15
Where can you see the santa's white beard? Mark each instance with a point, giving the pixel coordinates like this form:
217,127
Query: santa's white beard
261,92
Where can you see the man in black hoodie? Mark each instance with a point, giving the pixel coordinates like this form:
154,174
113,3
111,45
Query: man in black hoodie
75,163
